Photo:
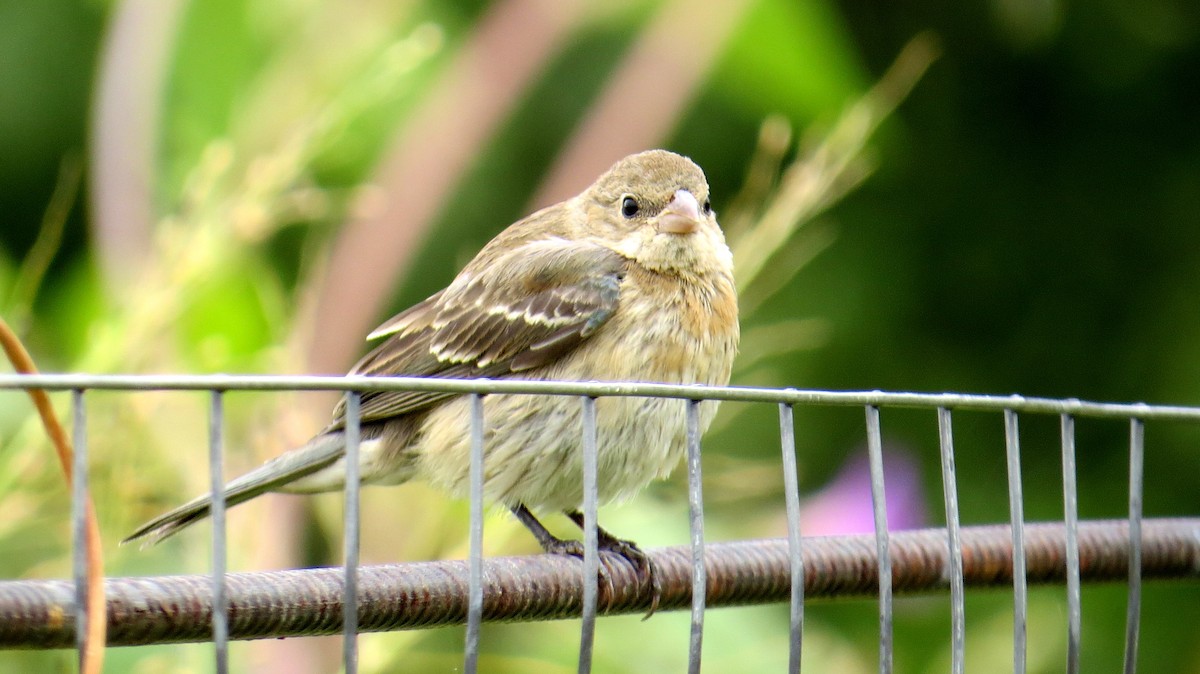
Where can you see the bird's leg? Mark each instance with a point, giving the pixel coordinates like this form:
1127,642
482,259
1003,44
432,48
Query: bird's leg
549,542
557,546
630,552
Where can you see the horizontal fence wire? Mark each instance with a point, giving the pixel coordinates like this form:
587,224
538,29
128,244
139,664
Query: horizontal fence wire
957,401
38,614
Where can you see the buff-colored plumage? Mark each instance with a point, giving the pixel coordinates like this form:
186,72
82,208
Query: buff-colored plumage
629,281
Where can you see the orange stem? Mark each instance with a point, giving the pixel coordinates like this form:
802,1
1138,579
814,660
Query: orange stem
92,658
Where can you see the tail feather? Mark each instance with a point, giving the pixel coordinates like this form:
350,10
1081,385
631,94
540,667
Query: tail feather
320,452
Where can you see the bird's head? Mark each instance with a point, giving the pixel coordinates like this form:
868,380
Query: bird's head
653,208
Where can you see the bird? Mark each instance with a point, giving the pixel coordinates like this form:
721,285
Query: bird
630,281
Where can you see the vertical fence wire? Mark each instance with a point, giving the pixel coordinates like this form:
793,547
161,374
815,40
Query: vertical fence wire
696,517
353,527
79,492
884,560
958,620
475,582
216,475
1071,524
591,539
791,494
1017,516
1136,482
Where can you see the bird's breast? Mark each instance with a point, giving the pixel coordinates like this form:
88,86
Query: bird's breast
670,329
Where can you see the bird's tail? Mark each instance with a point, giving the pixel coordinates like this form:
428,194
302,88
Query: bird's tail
320,452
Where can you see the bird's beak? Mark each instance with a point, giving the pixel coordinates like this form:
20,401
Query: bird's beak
681,216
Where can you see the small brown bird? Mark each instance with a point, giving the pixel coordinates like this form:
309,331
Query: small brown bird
629,281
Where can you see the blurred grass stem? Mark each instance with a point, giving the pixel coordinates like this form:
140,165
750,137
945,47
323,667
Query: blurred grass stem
49,239
837,164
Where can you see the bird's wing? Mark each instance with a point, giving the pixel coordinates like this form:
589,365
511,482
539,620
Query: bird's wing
522,310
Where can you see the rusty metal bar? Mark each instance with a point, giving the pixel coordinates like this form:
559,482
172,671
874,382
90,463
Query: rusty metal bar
171,609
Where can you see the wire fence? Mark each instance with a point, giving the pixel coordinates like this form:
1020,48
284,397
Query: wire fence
351,599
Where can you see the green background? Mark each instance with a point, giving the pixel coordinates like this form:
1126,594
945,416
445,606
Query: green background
1030,224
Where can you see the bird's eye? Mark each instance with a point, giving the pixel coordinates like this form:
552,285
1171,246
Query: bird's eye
629,207
707,207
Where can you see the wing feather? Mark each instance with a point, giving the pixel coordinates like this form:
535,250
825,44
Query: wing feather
523,311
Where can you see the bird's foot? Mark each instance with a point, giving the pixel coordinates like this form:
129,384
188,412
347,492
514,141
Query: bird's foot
554,545
628,551
643,566
558,546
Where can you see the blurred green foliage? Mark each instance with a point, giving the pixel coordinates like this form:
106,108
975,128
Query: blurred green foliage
1031,224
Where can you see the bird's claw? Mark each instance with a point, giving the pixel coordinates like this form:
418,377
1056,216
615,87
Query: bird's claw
643,567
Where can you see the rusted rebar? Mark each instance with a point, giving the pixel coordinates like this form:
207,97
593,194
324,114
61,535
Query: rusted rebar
40,614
